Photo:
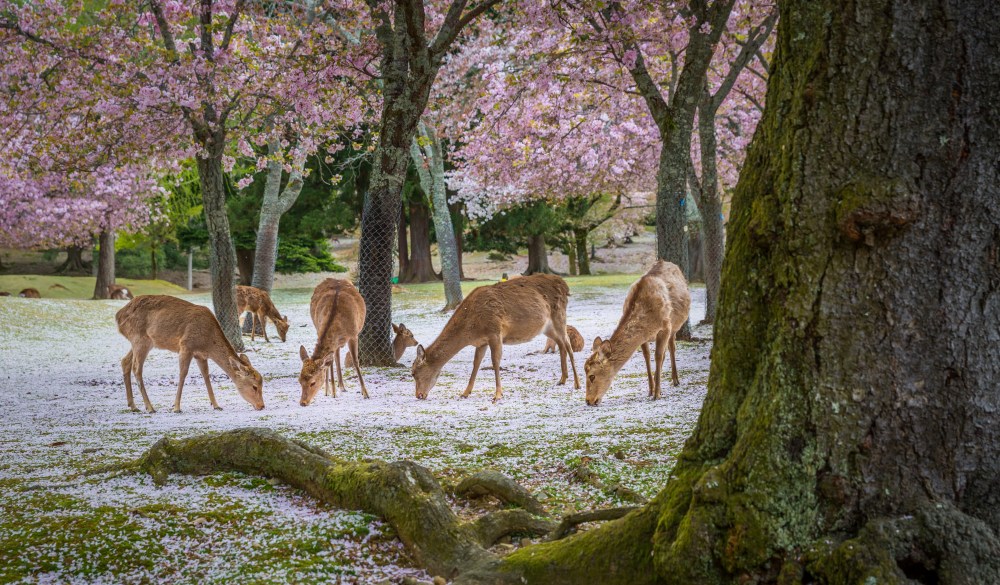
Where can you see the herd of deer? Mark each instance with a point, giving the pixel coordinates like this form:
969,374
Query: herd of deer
505,313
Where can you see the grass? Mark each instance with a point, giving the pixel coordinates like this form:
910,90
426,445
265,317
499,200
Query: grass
80,287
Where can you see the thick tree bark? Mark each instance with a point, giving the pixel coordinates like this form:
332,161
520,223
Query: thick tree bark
580,242
105,264
571,259
458,220
402,245
538,257
429,160
222,256
420,267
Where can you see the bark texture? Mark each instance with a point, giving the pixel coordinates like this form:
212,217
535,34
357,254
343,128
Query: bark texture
538,256
428,155
277,201
222,256
105,264
74,261
420,267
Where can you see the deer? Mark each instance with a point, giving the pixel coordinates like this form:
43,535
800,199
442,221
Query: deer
166,322
404,338
575,341
30,293
258,302
338,313
656,307
119,292
509,312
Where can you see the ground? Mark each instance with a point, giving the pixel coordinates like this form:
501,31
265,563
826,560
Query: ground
64,413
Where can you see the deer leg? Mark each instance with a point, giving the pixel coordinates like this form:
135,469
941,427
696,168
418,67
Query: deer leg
253,325
263,326
138,359
185,360
568,348
203,366
557,342
661,351
673,359
496,352
649,368
340,371
353,342
476,360
127,374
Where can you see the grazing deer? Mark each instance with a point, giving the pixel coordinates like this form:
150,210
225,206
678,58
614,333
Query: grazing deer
258,302
404,338
30,293
575,341
509,312
119,292
192,331
338,312
656,307
4,293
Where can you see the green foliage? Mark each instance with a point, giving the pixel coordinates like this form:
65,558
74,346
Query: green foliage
305,255
510,229
137,262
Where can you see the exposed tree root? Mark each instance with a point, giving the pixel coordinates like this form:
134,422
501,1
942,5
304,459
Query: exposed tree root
585,474
570,522
409,498
493,483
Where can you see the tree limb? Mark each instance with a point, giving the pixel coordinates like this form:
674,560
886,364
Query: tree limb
505,489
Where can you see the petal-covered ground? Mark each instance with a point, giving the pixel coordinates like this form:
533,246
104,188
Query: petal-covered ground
62,413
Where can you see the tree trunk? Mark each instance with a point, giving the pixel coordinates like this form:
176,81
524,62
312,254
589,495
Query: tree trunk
710,207
403,246
429,160
222,256
244,263
571,259
538,258
105,264
580,241
850,433
420,268
74,261
276,203
458,220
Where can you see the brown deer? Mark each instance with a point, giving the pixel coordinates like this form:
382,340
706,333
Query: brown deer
404,338
338,312
4,293
258,302
119,292
656,307
575,341
509,312
30,293
190,330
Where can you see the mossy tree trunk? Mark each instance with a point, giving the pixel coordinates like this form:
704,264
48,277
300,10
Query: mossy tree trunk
580,243
850,433
105,264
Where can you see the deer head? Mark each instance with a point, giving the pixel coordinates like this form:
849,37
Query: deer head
249,382
313,375
424,374
599,371
282,326
404,336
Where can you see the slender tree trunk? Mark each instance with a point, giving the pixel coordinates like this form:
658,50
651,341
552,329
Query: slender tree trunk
458,220
851,430
222,256
420,268
403,246
105,264
580,241
571,258
710,206
538,257
429,160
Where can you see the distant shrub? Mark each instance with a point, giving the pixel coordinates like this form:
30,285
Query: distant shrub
497,256
304,255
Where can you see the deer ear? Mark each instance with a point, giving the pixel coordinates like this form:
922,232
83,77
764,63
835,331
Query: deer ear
303,353
244,359
606,346
597,344
420,352
395,328
328,359
235,364
284,317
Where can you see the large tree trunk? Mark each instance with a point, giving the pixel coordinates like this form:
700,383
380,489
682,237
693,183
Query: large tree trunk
105,264
850,433
222,257
458,220
580,242
571,258
420,267
244,263
402,245
429,160
538,257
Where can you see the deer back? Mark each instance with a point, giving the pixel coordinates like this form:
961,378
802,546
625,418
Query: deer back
170,323
338,312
